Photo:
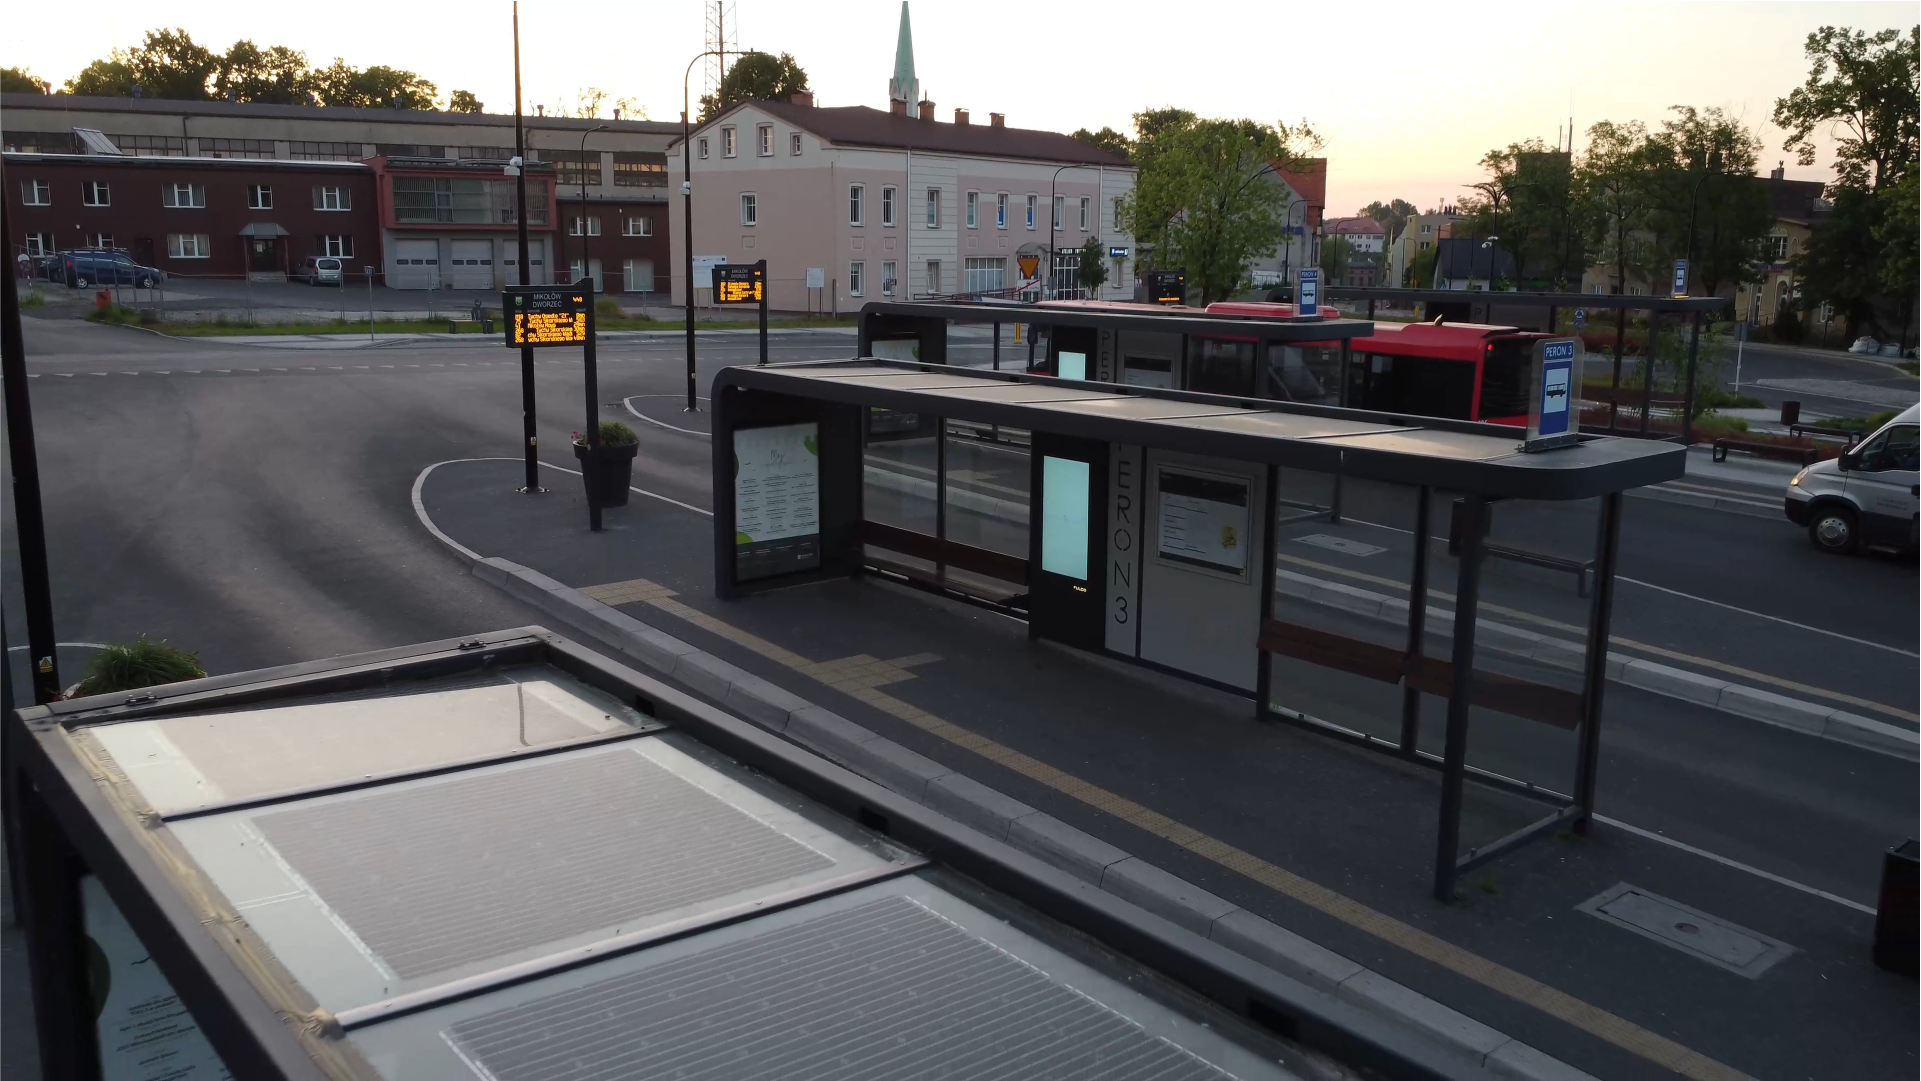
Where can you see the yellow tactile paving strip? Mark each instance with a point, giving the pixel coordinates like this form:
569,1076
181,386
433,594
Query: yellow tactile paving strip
861,676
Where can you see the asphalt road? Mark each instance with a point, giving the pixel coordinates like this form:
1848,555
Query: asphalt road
253,504
1775,374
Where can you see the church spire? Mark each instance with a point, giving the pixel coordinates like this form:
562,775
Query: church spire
903,87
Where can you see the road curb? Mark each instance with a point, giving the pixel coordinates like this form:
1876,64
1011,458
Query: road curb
1003,817
1731,506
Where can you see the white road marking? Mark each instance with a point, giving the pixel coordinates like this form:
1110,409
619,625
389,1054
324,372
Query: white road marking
1764,615
1736,864
628,402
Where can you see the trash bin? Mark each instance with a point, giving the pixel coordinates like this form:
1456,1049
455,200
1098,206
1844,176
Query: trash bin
486,324
1897,939
1790,412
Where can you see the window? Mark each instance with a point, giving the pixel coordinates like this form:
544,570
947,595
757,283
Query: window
856,208
933,276
1117,215
1777,249
640,170
99,240
591,223
973,209
856,279
41,142
749,209
637,275
184,196
420,150
887,207
259,197
985,275
638,227
577,168
727,149
1084,205
933,208
236,148
187,246
700,148
1033,207
1060,210
151,146
888,273
312,151
340,247
39,243
1897,449
766,133
95,193
793,144
36,193
325,198
1000,211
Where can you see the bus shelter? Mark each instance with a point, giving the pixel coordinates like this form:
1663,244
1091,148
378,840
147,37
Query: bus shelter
1418,587
504,856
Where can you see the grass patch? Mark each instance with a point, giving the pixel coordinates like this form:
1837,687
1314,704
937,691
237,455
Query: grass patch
221,328
34,299
1860,424
127,666
124,317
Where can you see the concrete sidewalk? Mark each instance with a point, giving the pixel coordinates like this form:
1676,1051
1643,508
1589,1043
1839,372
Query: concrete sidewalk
1074,758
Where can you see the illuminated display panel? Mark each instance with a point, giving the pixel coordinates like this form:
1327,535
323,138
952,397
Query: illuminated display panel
737,284
546,316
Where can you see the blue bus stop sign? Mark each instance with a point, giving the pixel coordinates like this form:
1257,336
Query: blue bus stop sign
1307,299
1554,416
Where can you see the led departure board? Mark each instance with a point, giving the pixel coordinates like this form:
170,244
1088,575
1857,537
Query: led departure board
740,283
546,316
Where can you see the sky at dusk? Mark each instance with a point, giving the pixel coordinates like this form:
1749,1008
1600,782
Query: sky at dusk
1407,97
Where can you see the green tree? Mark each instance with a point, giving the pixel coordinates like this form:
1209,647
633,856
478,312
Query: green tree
1392,215
1865,91
1108,139
276,75
1708,206
1615,187
1841,264
463,101
1093,268
376,87
755,77
1420,269
1204,199
108,78
170,64
1528,201
1899,226
22,81
1337,255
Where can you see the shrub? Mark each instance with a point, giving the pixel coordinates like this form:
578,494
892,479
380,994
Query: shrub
608,307
1787,327
613,434
126,666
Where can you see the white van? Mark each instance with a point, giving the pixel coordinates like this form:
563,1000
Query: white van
1870,495
319,270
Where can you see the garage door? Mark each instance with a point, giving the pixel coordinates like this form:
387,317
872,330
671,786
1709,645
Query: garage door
473,264
416,265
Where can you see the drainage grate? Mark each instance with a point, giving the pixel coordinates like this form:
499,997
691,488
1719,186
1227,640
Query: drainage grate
1341,544
1689,930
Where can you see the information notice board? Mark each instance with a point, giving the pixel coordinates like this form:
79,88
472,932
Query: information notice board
776,500
145,1031
1203,521
548,315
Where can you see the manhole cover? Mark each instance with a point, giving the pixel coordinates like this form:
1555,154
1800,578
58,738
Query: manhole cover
1341,544
1689,930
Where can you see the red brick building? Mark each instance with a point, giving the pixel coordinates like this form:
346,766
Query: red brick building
193,217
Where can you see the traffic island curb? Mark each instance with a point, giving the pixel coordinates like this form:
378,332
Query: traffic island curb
1028,829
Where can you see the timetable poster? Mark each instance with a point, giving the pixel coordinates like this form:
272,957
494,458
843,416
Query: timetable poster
1203,521
776,500
145,1031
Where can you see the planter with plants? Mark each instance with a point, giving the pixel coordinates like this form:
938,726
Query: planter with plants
614,466
129,666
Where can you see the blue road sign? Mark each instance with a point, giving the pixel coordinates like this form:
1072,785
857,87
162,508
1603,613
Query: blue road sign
1580,318
1308,296
1680,277
1557,384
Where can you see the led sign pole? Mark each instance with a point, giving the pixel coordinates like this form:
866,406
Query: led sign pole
590,465
744,283
30,530
531,443
687,209
551,315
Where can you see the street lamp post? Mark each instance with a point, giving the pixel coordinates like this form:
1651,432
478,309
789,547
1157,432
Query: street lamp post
586,253
1053,220
530,445
1710,164
687,209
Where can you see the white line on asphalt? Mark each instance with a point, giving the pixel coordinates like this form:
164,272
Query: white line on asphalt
74,645
1736,864
420,508
1764,615
33,375
628,402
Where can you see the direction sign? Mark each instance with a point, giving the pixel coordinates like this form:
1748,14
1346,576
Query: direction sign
1307,298
546,315
1580,318
740,283
1680,277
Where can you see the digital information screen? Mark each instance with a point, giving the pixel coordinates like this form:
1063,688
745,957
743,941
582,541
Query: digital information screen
546,316
739,283
1167,286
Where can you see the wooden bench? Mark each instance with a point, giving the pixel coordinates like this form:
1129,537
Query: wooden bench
1849,434
1804,455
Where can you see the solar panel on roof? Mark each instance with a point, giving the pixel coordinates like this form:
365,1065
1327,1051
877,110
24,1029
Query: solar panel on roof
490,864
887,989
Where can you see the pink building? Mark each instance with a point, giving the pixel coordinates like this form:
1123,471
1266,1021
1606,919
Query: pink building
895,204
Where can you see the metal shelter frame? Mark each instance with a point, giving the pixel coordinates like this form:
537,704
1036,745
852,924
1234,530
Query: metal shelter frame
1480,460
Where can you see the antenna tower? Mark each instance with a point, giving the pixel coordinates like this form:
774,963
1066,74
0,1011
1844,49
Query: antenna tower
723,37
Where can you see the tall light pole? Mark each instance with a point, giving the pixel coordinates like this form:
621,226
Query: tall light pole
1053,219
1488,246
687,206
531,443
1710,164
586,261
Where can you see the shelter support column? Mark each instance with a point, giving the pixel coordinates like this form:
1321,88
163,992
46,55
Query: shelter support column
1454,754
1594,681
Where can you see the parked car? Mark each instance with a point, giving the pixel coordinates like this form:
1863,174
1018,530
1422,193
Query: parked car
46,267
88,268
319,270
1870,495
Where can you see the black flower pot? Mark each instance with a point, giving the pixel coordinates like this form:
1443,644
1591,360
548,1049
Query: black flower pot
614,469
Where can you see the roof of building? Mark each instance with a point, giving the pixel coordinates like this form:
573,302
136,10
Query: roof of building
858,125
1353,225
1794,200
1465,257
1310,183
18,103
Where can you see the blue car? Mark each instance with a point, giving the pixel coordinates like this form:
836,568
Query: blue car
85,269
